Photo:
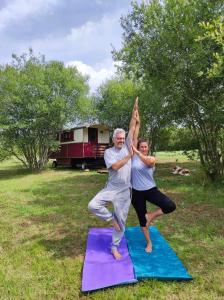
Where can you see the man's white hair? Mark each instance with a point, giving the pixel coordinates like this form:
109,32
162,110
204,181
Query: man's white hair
117,131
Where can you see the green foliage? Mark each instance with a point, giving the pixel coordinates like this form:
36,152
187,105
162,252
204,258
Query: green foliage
176,139
37,99
4,154
114,102
155,115
162,49
213,35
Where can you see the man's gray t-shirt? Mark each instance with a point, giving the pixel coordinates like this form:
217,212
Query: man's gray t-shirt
122,177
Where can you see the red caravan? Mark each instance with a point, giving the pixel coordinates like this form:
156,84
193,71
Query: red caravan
83,145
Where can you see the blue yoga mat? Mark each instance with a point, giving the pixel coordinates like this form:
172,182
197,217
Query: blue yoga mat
162,263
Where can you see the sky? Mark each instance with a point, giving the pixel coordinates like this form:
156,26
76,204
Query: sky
78,32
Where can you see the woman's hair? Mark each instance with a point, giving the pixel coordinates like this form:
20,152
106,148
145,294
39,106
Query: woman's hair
140,141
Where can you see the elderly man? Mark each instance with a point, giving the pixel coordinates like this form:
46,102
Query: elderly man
118,188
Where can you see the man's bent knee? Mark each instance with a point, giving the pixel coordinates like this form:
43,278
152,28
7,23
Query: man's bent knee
92,206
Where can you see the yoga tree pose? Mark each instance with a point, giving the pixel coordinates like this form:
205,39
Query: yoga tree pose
118,188
144,186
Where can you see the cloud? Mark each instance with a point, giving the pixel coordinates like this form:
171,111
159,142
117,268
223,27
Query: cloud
97,75
69,31
99,2
92,34
17,10
90,43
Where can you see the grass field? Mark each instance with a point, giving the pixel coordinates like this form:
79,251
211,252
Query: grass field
44,223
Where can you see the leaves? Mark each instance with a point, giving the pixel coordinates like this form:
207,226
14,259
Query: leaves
175,48
214,35
114,102
37,99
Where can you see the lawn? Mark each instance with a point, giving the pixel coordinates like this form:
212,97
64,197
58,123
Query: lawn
44,223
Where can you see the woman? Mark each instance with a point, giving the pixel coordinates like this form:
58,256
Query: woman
144,188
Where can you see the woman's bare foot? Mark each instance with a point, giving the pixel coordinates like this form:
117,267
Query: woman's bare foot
116,254
148,248
116,225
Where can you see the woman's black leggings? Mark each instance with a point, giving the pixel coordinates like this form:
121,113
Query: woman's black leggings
154,196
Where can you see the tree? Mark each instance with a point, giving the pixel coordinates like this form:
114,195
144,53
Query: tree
155,116
162,48
114,102
176,139
37,99
214,33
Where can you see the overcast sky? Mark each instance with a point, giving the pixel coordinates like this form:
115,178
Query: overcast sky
77,32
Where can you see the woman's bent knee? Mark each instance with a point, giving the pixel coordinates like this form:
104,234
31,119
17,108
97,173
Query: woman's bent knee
171,207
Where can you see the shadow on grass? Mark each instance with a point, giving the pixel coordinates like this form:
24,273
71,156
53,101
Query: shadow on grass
16,170
63,212
13,172
69,246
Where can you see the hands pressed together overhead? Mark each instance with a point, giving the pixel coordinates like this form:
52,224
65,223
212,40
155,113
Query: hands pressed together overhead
134,127
135,112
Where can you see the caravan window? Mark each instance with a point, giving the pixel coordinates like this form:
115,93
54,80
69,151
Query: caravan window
67,136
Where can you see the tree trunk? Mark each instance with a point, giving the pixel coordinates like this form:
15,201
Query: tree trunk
209,152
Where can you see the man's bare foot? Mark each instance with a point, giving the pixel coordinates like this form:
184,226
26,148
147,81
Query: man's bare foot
148,248
116,225
116,254
148,219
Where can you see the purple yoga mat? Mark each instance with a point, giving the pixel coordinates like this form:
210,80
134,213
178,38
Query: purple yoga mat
100,269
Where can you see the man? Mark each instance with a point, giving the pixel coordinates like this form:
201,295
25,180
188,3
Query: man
118,187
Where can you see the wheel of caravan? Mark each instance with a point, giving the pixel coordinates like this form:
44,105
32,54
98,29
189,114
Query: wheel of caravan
54,164
83,166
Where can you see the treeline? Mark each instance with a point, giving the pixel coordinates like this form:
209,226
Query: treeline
176,139
172,57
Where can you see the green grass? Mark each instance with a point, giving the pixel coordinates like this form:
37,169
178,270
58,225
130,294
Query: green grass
174,157
44,223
